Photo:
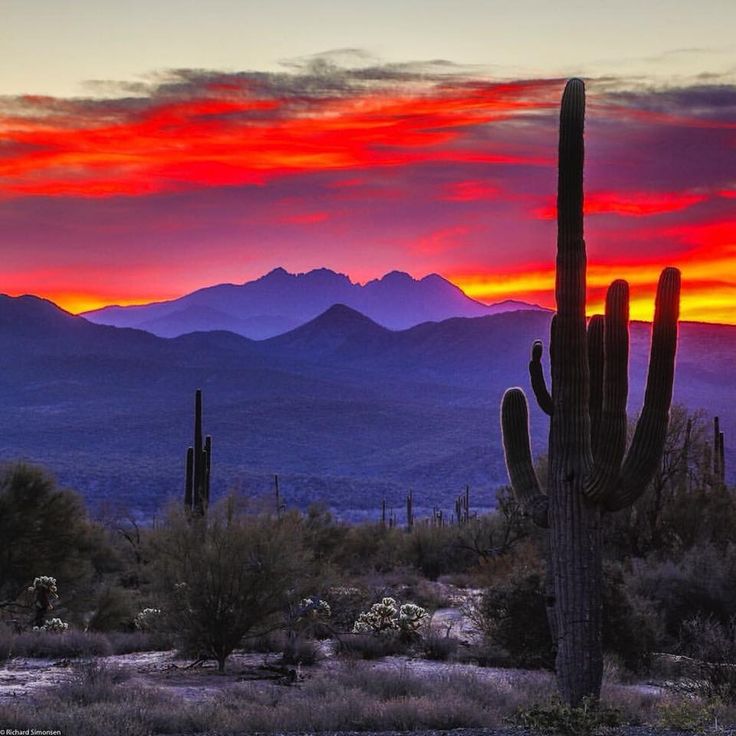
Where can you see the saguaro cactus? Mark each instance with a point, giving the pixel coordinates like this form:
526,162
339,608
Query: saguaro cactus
590,471
198,464
719,457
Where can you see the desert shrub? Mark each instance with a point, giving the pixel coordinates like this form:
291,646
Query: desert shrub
439,646
6,642
93,683
702,582
324,536
484,653
662,521
67,644
266,643
428,594
45,528
113,610
512,615
371,547
370,646
711,648
429,550
223,576
631,626
127,642
556,717
687,714
298,649
346,603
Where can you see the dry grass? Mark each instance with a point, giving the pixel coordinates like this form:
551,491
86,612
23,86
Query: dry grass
355,696
45,644
360,698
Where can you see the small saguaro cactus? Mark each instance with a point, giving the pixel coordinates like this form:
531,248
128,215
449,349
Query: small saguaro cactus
198,465
719,458
462,507
590,472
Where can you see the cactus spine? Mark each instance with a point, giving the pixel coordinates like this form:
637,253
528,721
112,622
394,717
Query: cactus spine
590,470
198,465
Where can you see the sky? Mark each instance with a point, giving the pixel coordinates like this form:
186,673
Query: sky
149,149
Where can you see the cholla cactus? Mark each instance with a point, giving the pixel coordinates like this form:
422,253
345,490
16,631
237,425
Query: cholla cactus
411,618
380,619
43,589
54,625
314,609
44,583
147,619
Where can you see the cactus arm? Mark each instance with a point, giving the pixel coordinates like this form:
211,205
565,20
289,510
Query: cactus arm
646,448
536,374
611,441
207,468
515,428
595,366
188,482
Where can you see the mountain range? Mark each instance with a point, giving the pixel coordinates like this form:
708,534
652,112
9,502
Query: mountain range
344,410
281,301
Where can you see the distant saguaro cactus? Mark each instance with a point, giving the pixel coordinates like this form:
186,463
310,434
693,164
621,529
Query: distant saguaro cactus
719,457
198,465
590,471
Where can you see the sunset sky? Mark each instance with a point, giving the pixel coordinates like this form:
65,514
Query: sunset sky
149,149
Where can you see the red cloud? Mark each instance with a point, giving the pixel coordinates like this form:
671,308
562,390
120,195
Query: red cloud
307,218
630,204
228,133
469,191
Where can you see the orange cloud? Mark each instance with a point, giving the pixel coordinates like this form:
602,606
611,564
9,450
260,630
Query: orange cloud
708,294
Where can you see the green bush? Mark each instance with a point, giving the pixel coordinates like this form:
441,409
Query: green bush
222,577
555,717
46,530
114,610
631,626
688,714
512,615
702,582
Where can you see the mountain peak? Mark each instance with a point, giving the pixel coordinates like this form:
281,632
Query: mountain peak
342,316
398,277
279,301
274,275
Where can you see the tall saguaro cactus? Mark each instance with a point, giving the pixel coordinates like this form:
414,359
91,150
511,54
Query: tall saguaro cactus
198,462
590,471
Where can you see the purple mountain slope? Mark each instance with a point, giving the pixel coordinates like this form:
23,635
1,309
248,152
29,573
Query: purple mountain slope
281,301
343,409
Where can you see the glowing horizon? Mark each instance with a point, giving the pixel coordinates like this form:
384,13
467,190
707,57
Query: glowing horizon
204,177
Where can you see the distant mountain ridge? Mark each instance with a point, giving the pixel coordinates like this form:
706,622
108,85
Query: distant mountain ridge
280,301
346,411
